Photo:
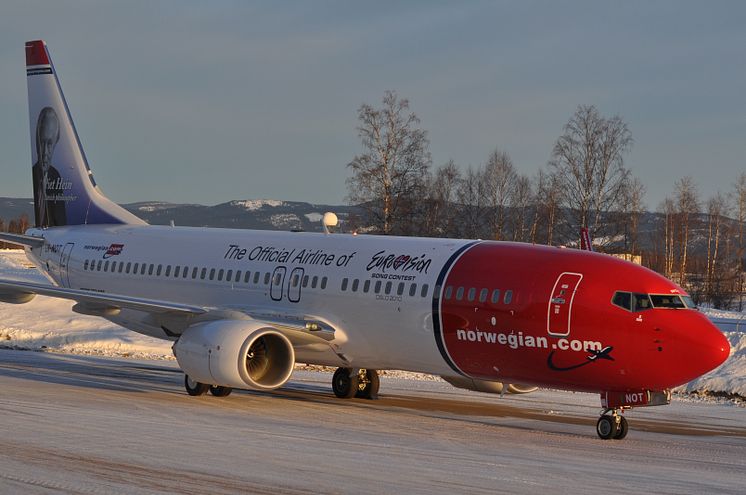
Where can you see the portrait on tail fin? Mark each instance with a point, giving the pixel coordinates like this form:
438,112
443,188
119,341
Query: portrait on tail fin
49,204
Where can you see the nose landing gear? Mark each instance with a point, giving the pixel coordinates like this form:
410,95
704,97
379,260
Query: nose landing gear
612,426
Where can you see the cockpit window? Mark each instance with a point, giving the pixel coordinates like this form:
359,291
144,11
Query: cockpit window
631,301
641,302
689,302
623,300
669,301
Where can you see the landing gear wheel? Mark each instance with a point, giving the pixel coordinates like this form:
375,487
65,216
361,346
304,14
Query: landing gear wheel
606,427
345,383
368,384
219,391
194,387
622,428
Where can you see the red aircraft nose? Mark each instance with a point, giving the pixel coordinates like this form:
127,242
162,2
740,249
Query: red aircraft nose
708,349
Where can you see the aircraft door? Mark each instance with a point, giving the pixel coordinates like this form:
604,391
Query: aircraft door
277,282
294,284
65,264
559,313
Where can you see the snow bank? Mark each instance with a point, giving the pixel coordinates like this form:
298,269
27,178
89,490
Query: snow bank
49,323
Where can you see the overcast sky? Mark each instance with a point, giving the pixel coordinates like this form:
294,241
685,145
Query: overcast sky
205,102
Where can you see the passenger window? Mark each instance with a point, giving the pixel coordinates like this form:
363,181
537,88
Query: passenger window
203,273
412,290
194,273
159,270
449,292
266,278
229,276
185,274
277,279
314,281
85,265
483,295
106,266
355,285
113,266
436,292
168,271
495,296
324,280
423,293
344,284
388,287
221,272
472,294
400,289
508,296
623,300
98,266
121,267
305,280
377,287
246,277
366,286
296,279
459,293
129,265
143,267
177,271
256,278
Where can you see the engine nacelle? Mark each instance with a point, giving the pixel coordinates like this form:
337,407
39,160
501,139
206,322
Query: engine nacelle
487,386
237,354
16,297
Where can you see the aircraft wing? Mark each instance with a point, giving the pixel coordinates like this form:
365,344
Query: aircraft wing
101,300
173,316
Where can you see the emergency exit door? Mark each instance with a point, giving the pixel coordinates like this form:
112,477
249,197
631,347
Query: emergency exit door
559,314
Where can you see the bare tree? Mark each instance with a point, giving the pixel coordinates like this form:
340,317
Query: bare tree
471,196
717,207
668,209
632,209
442,199
520,202
389,178
588,160
687,208
739,198
499,180
547,200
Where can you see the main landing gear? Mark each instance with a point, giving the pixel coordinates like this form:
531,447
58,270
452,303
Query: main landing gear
612,426
355,382
195,388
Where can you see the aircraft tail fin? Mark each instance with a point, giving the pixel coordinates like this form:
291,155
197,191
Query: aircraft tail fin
64,190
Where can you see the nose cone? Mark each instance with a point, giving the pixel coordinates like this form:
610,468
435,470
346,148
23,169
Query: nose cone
708,347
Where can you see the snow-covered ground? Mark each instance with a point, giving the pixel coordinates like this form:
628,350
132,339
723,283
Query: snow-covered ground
49,323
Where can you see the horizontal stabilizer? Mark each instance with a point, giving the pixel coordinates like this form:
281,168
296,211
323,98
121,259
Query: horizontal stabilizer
22,240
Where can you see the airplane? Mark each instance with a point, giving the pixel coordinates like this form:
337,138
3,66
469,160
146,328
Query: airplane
243,307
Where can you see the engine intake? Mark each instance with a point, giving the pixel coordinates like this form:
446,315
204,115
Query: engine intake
237,354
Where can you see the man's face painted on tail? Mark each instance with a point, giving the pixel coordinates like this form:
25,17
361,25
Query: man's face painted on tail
49,133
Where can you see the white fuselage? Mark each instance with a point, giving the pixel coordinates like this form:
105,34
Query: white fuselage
376,292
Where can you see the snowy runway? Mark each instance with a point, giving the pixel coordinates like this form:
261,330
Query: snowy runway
82,424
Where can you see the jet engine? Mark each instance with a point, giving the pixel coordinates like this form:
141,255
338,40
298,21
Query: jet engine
237,354
15,297
487,386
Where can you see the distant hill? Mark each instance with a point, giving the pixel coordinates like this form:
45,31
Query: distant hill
261,214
